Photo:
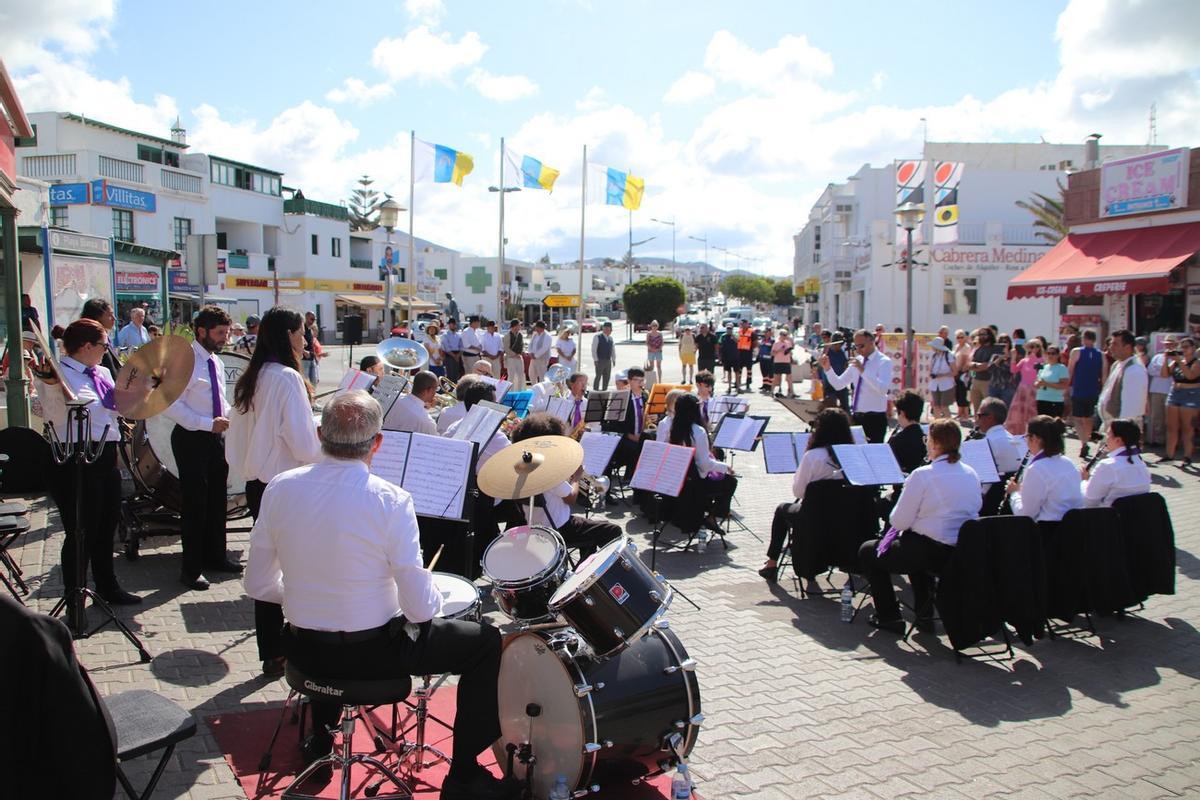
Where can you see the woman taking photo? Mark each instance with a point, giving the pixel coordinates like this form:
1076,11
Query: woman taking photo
941,378
1024,404
1050,484
713,480
564,347
1052,381
271,430
1122,473
1183,400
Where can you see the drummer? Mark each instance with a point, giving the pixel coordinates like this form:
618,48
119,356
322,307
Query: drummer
553,507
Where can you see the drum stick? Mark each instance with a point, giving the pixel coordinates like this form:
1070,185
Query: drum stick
544,626
436,556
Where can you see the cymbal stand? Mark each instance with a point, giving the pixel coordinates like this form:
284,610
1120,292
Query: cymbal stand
80,449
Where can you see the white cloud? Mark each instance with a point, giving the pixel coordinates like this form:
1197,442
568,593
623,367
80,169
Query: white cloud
74,27
358,92
428,12
595,98
879,80
501,88
426,55
690,87
729,60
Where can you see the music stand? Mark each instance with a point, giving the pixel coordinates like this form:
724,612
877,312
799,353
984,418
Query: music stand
80,449
730,448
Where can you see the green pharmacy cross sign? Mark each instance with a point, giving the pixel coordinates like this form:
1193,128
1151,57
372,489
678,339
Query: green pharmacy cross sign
478,279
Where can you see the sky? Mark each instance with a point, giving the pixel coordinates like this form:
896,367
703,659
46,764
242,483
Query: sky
736,115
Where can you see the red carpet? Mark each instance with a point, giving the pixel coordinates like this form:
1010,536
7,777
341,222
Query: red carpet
243,738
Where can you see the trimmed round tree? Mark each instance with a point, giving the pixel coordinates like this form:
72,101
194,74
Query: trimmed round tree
654,299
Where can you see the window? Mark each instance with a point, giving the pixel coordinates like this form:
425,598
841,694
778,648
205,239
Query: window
316,247
170,158
335,249
183,228
243,178
147,153
122,224
960,296
58,217
222,240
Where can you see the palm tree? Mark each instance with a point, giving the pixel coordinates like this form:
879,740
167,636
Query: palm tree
1048,215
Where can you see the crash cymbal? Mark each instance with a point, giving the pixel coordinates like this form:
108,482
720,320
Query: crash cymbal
530,467
154,377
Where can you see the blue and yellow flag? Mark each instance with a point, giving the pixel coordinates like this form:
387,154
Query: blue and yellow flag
614,187
440,164
527,172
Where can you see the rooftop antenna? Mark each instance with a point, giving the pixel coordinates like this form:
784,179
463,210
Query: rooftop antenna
1153,139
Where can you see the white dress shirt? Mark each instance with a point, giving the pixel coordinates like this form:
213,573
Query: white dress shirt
54,403
278,432
542,390
339,548
491,344
937,499
1049,489
815,465
408,413
702,456
449,416
1115,477
557,512
194,408
539,345
470,340
872,385
663,432
133,336
1006,451
566,352
1158,384
1135,386
497,443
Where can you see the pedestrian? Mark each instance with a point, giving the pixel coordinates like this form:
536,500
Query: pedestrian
1086,371
706,349
941,378
437,359
1051,384
838,359
539,352
564,347
1160,386
781,363
766,361
603,352
451,343
1024,405
514,355
729,356
654,346
962,374
1002,382
1183,401
313,353
981,365
687,354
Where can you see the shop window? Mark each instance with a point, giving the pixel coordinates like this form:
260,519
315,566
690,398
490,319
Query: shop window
59,217
122,224
960,296
335,248
183,229
316,245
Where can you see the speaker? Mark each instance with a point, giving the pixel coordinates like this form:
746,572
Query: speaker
352,329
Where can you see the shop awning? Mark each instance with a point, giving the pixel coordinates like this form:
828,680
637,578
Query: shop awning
1112,262
360,300
417,304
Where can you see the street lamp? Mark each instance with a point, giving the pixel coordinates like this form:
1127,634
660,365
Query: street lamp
909,216
389,215
672,224
705,240
500,254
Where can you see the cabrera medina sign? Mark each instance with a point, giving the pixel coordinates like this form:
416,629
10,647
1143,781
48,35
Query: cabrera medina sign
106,194
1137,185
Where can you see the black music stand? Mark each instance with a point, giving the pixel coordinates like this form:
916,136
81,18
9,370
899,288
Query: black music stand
80,449
730,520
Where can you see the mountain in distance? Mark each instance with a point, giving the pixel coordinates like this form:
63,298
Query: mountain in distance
708,269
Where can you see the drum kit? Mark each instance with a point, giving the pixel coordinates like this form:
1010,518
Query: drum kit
594,685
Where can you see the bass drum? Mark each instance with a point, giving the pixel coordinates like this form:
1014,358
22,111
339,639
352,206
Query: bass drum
601,721
154,462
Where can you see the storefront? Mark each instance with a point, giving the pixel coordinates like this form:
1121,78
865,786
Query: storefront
139,281
13,124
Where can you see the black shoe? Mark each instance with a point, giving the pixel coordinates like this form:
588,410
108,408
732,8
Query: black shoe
896,626
316,746
199,583
119,597
225,565
1085,451
273,667
926,625
771,574
481,785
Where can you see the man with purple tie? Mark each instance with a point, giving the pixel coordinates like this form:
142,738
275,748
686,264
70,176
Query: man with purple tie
870,372
577,386
631,425
201,417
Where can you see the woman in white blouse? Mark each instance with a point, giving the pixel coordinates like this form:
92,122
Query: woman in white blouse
1050,485
564,346
271,430
662,432
831,427
1123,473
716,483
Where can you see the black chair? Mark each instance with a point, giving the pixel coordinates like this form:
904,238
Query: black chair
835,519
10,529
1149,543
145,723
1086,566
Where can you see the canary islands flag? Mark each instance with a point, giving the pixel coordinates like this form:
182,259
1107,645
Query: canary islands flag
527,172
614,187
440,164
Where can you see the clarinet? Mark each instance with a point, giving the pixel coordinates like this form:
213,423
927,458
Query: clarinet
1101,452
1021,469
975,433
1005,506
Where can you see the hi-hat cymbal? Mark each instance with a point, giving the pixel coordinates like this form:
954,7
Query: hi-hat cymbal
530,467
154,377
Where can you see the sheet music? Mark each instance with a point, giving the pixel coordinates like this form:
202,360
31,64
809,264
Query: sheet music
726,404
739,433
925,429
499,384
598,449
437,475
779,453
859,435
480,424
662,468
561,407
389,460
1007,459
868,464
388,390
978,455
355,380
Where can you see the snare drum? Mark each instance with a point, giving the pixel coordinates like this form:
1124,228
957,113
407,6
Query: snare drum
460,597
613,599
525,565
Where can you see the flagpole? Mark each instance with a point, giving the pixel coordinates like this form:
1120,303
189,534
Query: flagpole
412,264
500,248
582,230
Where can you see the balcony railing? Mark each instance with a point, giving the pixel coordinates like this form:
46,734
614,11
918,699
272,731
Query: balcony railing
360,263
59,165
121,170
316,208
182,182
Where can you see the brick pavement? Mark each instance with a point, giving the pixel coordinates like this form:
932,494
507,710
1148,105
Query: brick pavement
798,704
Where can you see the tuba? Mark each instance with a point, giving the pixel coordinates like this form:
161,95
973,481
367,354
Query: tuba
402,355
558,374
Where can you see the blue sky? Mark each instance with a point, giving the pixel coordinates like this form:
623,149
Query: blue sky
736,120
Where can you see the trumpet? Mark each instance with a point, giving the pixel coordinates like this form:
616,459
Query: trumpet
446,386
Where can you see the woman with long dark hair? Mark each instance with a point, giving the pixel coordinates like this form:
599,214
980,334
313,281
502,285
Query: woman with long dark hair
271,430
1050,485
831,427
713,480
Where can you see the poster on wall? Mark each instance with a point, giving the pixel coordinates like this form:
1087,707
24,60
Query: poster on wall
894,346
74,281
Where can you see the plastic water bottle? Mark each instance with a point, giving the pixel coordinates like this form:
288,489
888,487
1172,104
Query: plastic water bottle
847,603
681,784
560,790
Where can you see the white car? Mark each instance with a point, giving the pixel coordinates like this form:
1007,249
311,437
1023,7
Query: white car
686,322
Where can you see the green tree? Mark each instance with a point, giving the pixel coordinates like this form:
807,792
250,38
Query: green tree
1048,215
785,294
749,288
653,298
364,206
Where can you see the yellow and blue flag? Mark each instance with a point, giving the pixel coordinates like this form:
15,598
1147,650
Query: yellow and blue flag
527,172
440,164
614,187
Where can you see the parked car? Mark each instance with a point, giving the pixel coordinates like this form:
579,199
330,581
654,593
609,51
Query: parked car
589,325
761,324
600,322
686,322
569,323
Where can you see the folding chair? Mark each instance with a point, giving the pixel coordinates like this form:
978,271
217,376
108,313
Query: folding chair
145,723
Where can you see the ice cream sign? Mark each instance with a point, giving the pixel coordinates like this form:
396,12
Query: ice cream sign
1137,185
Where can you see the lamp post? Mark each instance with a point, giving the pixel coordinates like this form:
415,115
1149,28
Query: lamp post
389,215
705,240
501,190
674,266
909,216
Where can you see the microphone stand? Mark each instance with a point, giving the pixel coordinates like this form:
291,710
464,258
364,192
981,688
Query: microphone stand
80,449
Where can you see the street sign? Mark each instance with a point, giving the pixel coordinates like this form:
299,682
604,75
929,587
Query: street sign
561,300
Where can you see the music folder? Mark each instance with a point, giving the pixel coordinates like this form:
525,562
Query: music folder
563,408
499,384
480,424
606,406
977,454
726,404
782,451
436,471
388,390
356,379
860,436
868,464
598,449
662,468
739,432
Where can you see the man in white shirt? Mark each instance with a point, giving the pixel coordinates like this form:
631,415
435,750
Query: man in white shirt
134,335
454,413
410,412
577,394
514,361
871,374
539,352
491,345
338,548
1006,451
1125,392
201,417
1156,404
470,344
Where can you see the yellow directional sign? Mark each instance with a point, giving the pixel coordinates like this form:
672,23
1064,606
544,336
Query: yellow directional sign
561,300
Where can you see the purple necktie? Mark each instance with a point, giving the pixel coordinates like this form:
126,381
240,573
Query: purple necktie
216,388
104,388
637,415
858,389
577,417
886,542
704,411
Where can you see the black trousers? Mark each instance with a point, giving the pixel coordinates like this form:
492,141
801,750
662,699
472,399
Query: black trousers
268,617
467,649
718,494
706,364
589,535
912,554
786,515
874,425
200,456
626,455
101,513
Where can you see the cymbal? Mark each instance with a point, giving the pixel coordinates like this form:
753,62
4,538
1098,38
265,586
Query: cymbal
530,467
154,377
